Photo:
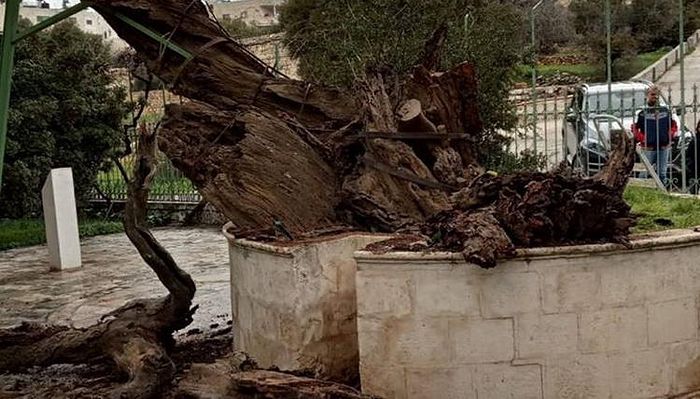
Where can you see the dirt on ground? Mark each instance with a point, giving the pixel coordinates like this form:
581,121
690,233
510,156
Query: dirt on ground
99,380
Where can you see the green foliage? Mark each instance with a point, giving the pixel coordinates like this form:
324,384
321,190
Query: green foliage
655,22
589,22
506,162
65,111
623,69
553,27
651,205
26,232
335,41
239,29
636,26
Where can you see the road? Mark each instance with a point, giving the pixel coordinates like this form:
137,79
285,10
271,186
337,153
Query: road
671,80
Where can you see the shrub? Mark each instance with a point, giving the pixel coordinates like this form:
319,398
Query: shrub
65,111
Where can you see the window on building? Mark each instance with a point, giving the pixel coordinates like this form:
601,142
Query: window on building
105,35
88,22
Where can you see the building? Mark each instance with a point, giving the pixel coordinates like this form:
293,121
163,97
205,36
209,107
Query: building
88,20
253,12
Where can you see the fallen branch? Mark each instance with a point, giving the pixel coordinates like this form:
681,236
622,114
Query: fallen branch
137,335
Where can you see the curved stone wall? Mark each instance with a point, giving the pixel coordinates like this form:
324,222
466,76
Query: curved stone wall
579,322
293,306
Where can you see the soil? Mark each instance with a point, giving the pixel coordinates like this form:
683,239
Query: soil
99,380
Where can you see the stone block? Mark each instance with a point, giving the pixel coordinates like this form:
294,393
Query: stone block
629,283
447,293
418,342
481,341
673,321
684,362
640,374
577,377
672,281
384,381
383,294
614,329
61,220
508,294
443,383
372,337
541,336
570,291
503,381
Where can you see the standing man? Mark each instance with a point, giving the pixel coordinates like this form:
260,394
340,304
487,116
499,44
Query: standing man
655,130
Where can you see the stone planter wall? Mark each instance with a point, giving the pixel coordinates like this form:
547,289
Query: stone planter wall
580,322
293,307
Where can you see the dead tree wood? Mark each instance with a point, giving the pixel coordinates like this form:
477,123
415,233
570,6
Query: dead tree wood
228,79
497,214
246,120
136,336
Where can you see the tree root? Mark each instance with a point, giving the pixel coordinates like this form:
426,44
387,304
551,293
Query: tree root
137,336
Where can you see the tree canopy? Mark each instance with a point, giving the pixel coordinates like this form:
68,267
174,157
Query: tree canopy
335,41
65,111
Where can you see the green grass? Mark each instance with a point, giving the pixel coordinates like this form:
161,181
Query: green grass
592,72
26,232
653,206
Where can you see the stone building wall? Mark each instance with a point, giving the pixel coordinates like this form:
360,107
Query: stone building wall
270,48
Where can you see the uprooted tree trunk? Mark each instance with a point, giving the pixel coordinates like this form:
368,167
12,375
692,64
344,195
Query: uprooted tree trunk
135,337
396,153
390,154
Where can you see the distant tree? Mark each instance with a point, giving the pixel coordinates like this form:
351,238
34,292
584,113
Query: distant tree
65,111
554,27
335,41
589,22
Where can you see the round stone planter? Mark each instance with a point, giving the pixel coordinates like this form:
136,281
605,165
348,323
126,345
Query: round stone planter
294,306
595,321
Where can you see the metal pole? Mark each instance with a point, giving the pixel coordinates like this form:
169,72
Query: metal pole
681,38
534,75
608,39
8,53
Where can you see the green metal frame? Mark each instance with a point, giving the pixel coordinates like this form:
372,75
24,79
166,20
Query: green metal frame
8,54
51,20
11,37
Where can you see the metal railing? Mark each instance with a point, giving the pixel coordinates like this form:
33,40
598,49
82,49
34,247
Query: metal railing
169,184
574,127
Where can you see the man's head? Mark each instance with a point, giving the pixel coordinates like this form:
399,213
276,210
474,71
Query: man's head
653,96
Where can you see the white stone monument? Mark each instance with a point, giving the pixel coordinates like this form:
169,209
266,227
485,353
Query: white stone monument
61,220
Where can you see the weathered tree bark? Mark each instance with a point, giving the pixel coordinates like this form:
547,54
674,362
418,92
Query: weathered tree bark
136,336
494,215
391,154
309,139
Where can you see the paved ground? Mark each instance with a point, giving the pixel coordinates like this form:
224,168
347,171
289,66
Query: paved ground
112,274
672,79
